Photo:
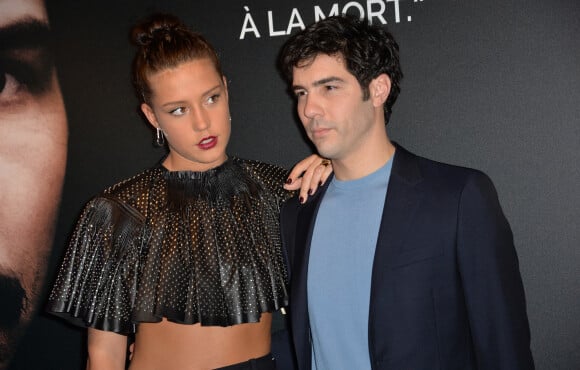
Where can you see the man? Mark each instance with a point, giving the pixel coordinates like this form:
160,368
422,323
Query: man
32,162
398,262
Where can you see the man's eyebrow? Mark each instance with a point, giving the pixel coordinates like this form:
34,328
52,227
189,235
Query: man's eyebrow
320,82
25,33
327,80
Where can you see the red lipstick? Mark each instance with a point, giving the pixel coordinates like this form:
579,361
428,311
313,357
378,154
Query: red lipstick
207,142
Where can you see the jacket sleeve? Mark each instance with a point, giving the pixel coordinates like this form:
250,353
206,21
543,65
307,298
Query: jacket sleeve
288,218
491,280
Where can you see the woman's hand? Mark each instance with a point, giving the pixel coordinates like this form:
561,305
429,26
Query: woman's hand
307,175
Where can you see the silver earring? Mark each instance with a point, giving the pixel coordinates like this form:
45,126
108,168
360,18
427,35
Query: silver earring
160,139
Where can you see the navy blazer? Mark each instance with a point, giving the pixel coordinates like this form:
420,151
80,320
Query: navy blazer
446,291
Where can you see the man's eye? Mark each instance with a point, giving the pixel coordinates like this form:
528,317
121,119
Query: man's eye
299,93
330,87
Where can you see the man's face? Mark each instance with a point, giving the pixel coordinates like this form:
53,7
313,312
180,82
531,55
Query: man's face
331,107
32,162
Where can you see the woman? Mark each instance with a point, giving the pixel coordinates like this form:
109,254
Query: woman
187,254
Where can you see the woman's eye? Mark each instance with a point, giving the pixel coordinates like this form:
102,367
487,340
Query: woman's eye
179,111
213,99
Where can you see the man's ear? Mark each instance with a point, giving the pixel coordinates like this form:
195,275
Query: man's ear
149,114
379,89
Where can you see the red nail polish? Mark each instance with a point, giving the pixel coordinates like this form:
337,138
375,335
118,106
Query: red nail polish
301,199
320,184
288,181
310,192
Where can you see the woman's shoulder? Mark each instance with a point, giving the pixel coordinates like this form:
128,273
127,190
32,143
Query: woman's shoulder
263,172
129,194
135,182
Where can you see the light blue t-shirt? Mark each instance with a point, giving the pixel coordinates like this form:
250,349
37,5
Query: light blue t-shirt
339,270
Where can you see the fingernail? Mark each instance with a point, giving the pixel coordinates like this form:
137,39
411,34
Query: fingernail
310,191
320,184
301,199
288,181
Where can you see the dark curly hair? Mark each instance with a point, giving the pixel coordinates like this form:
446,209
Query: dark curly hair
368,51
164,41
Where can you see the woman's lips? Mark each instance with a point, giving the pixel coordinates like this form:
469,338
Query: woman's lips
207,142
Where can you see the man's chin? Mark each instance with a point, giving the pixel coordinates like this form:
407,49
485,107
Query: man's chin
7,347
14,316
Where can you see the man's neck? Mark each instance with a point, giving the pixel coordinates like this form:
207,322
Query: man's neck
365,163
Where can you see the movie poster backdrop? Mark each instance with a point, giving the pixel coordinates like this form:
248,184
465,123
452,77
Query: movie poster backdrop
492,84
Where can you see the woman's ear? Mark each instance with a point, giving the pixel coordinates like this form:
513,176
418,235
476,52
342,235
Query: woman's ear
380,88
149,114
225,85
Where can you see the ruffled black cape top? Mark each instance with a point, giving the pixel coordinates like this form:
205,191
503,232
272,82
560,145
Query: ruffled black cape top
193,247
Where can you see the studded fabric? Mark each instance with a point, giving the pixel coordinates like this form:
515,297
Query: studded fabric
193,247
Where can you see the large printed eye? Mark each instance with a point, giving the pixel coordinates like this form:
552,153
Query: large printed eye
26,62
22,79
9,86
11,89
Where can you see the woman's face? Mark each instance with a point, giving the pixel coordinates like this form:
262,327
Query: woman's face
190,104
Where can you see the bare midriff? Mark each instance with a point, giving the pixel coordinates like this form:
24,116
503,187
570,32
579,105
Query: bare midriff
167,345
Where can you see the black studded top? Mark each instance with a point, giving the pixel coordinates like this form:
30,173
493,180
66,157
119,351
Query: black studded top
193,247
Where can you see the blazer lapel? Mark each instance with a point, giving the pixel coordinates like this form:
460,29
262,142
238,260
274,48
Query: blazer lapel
401,203
298,293
403,199
304,229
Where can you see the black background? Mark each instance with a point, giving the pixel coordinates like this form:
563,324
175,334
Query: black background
490,84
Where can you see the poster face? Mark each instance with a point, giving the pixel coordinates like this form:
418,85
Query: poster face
32,162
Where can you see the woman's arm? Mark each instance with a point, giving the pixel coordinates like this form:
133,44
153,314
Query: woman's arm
107,350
